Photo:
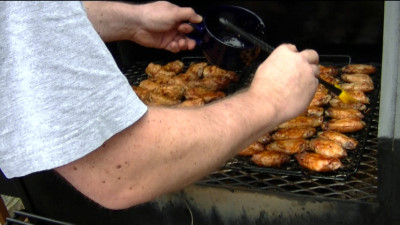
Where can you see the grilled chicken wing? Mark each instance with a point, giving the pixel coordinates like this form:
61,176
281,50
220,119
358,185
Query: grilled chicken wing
329,78
313,111
194,72
174,66
174,92
303,121
162,100
142,93
358,86
331,70
294,133
360,96
327,148
340,113
270,158
358,77
204,94
191,103
317,162
345,141
337,103
359,68
321,96
289,146
344,125
252,149
214,71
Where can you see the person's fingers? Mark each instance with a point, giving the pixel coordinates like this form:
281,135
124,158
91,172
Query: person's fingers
310,55
188,14
291,47
315,69
185,28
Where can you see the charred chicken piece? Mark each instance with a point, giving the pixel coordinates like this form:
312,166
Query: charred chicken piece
317,162
359,68
340,113
303,121
345,125
327,148
289,146
252,149
270,158
345,141
294,133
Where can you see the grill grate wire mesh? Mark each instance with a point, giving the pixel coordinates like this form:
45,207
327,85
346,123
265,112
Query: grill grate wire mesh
361,186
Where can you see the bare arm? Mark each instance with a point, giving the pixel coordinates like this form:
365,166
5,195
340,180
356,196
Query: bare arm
156,25
170,148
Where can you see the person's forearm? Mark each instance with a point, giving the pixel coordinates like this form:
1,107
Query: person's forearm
113,21
168,149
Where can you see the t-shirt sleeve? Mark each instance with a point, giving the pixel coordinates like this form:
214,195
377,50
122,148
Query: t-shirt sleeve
62,94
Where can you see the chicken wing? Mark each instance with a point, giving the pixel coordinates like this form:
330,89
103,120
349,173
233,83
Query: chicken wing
191,103
214,71
321,96
337,103
359,68
360,96
174,92
313,111
317,162
162,100
344,125
328,78
204,94
289,146
194,72
270,158
358,77
358,86
330,70
174,66
327,148
345,141
303,121
340,113
294,133
252,149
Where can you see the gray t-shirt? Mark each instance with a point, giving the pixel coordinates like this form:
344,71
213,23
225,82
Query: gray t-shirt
62,94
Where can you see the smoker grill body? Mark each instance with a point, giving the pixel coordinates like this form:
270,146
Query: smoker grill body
45,193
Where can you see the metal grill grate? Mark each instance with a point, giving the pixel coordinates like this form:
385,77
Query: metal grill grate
362,185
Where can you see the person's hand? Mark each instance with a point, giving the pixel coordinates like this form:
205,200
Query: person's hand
162,25
287,79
